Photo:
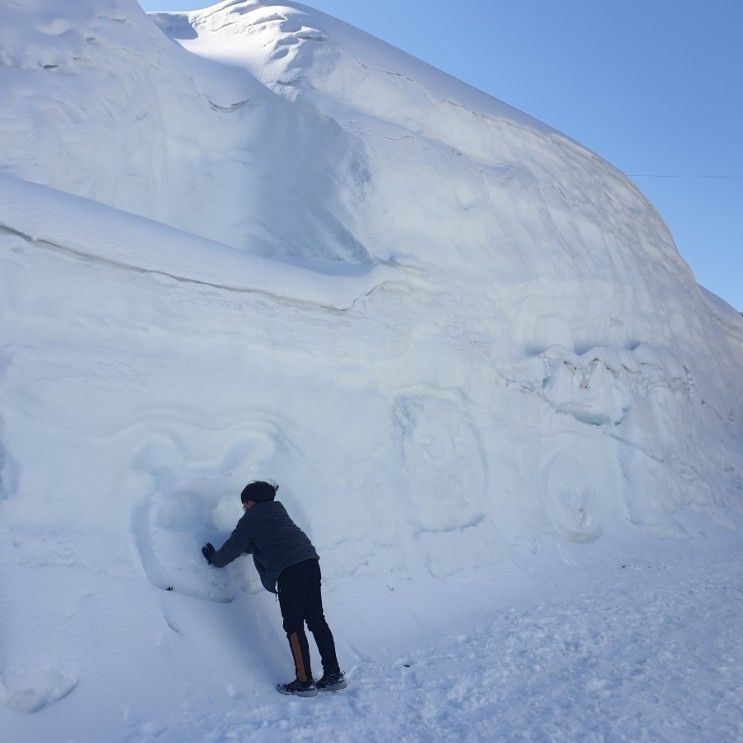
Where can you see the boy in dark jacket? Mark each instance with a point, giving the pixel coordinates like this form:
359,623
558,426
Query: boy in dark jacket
287,564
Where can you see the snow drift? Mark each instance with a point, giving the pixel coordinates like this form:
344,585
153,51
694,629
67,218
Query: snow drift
251,241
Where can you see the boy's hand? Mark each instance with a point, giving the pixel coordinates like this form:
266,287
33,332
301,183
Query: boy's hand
208,550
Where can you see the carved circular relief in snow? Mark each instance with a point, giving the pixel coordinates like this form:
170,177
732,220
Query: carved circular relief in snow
443,462
569,499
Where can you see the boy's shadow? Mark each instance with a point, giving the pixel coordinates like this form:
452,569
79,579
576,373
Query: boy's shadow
253,619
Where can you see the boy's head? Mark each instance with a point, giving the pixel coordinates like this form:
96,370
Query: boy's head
258,492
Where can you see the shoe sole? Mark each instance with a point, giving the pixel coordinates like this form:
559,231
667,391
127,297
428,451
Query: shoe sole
334,687
308,693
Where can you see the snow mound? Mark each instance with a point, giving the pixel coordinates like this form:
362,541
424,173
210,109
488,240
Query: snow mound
111,110
251,241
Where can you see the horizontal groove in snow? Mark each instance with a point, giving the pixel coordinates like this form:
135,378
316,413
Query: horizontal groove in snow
93,230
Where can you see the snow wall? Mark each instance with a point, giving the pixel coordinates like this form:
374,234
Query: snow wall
251,241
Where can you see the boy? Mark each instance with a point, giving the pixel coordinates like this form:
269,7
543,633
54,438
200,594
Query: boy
287,564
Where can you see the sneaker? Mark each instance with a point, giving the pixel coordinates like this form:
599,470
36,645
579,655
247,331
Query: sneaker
298,688
332,682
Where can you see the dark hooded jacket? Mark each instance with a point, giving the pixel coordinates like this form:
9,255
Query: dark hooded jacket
267,532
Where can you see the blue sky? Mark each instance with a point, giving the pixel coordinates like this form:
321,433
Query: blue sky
653,86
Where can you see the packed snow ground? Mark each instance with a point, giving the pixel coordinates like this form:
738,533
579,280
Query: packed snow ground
627,648
251,241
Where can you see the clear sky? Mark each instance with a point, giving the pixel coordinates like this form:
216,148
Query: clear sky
653,86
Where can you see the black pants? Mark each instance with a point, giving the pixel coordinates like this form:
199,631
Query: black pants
300,601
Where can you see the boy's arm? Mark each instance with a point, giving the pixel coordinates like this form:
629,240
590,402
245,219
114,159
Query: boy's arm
237,543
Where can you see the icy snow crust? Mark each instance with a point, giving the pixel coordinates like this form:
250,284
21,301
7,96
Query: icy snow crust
251,241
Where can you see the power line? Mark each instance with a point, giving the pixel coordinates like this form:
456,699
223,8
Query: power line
688,177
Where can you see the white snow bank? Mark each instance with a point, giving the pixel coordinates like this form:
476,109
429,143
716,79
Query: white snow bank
112,110
299,30
545,388
97,231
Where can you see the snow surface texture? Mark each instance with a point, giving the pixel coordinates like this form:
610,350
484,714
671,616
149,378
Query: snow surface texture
252,241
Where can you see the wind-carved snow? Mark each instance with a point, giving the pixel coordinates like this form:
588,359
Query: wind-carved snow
251,241
201,148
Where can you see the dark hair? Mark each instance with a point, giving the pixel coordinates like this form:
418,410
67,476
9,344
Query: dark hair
259,492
